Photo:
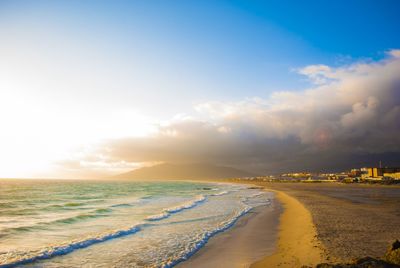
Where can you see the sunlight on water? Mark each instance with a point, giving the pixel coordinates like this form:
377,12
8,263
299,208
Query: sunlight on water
72,223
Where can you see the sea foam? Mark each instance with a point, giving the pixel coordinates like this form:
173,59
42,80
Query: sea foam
205,215
58,250
205,237
168,211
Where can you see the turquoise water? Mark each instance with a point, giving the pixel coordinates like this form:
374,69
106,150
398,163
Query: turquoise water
58,223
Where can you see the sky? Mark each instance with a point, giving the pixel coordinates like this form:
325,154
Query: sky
93,88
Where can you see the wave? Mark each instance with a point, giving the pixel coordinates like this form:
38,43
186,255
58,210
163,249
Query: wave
158,216
8,205
60,206
168,211
205,237
257,194
124,205
74,204
220,193
58,250
101,212
96,213
199,199
54,251
130,204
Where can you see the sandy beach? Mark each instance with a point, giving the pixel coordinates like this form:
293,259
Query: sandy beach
317,223
297,243
352,221
280,235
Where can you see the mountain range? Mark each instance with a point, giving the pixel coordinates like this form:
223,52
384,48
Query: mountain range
185,171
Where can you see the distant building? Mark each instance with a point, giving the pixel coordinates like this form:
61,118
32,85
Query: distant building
298,175
340,177
364,170
378,172
356,172
395,175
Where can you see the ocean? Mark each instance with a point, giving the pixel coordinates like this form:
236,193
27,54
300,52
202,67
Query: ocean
70,223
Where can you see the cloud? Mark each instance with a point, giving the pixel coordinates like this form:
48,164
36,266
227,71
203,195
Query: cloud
395,53
319,74
351,116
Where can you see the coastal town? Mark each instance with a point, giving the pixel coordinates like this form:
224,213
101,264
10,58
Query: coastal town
371,175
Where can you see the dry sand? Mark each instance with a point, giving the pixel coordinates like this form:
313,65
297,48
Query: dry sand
352,220
297,244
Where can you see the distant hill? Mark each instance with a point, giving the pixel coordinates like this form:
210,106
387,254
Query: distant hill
184,171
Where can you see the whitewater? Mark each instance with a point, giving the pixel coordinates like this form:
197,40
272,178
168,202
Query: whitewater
59,223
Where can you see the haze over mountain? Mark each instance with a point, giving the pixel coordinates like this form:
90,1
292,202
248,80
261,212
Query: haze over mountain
184,171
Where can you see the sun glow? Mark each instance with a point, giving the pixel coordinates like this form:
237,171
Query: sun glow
35,135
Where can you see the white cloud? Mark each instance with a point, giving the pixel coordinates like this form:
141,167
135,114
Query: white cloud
353,110
319,74
394,53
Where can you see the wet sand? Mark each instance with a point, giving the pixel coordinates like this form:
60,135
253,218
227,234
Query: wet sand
252,237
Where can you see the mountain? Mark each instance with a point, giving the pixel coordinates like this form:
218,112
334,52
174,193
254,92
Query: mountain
184,171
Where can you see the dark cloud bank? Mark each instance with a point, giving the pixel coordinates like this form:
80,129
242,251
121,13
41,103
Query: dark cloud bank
350,118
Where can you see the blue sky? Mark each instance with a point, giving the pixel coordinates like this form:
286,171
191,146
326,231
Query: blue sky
159,60
217,49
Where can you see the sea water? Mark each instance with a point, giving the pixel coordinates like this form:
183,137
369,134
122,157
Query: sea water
59,223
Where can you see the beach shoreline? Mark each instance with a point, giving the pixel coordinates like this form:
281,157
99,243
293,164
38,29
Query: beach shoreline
318,223
252,237
286,229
